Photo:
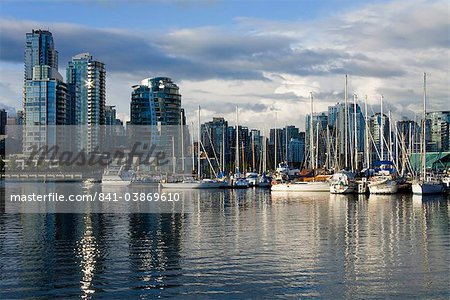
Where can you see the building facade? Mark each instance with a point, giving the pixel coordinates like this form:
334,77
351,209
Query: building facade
46,96
437,131
379,137
86,78
3,121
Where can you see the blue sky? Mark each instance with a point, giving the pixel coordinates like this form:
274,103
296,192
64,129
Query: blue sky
172,14
264,56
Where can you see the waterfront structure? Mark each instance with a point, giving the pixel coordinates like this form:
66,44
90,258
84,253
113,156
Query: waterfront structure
438,131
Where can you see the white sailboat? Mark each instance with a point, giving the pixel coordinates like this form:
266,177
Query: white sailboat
385,180
236,181
305,186
343,182
425,184
302,186
192,183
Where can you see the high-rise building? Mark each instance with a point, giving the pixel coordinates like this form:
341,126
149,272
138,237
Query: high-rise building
46,96
110,115
296,152
214,140
142,106
437,131
86,79
255,150
156,101
39,50
277,138
378,140
319,135
19,117
45,104
339,130
3,119
409,135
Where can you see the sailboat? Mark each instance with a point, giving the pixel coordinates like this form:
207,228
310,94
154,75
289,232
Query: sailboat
192,183
236,181
425,184
384,180
304,186
343,182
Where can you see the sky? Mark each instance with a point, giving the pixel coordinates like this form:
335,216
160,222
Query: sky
263,56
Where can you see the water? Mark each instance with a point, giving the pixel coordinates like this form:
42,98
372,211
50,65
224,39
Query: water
237,244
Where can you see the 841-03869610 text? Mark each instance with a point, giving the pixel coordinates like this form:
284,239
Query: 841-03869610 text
97,196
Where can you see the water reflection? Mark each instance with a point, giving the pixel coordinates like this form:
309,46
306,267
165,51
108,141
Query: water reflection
236,243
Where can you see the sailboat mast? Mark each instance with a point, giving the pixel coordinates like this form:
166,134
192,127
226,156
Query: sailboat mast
391,154
366,134
316,155
381,131
355,99
311,131
182,142
237,140
286,142
345,124
424,143
276,140
199,172
193,148
264,152
223,148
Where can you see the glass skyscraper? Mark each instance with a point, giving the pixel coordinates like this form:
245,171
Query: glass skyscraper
86,80
45,94
39,50
438,131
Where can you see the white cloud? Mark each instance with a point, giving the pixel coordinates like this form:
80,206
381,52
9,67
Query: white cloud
266,66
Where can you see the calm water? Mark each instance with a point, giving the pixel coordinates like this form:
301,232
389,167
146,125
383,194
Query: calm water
237,244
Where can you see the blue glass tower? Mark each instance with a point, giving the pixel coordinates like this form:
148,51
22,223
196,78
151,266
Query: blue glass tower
39,50
86,80
45,94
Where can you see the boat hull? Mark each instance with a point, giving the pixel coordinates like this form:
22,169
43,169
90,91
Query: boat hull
384,187
192,185
343,188
302,187
425,188
116,182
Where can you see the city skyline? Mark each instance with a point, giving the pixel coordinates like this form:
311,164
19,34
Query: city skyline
261,62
